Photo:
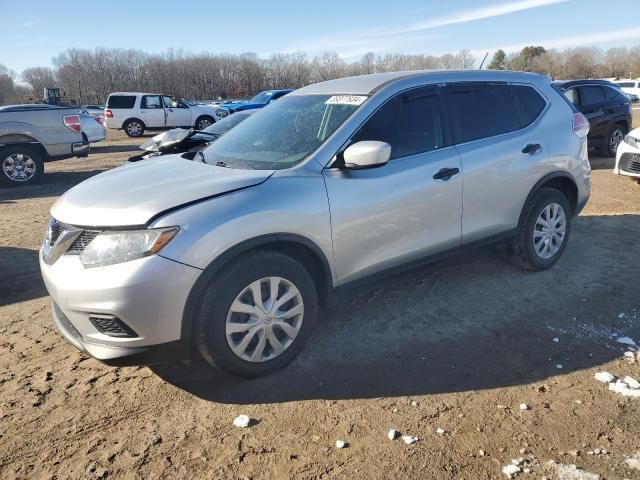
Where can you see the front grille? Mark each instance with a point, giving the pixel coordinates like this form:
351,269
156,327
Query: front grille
110,325
630,162
82,241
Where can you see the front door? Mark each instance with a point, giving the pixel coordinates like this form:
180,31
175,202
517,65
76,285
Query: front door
152,111
406,209
178,113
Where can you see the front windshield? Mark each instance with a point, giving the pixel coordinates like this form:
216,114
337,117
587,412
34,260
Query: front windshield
284,133
261,97
226,124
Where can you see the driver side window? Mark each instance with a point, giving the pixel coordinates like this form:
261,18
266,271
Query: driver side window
409,122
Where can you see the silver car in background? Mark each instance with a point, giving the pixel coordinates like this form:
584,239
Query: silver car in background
230,254
93,127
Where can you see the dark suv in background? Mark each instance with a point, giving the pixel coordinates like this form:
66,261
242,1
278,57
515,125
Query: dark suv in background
606,107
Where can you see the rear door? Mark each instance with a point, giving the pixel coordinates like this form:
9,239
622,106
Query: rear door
503,154
385,216
591,102
152,111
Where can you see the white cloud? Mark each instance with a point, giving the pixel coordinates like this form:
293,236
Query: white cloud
590,39
481,14
389,38
30,23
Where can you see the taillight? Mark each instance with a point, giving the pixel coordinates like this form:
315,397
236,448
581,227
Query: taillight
99,120
72,122
108,113
580,125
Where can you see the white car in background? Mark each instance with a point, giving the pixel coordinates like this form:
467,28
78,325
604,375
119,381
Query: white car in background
628,156
93,127
135,112
631,88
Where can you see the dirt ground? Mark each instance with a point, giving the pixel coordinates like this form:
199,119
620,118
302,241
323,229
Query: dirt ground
458,345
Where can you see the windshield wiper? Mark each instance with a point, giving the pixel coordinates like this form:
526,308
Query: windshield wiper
222,164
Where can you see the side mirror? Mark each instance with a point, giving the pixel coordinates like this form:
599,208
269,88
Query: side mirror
366,154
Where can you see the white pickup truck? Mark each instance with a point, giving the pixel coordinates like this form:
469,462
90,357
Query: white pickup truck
31,134
135,112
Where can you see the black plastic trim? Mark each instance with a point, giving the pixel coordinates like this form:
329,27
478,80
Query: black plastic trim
220,261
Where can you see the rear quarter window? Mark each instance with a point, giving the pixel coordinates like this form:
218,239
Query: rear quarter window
530,104
121,101
615,96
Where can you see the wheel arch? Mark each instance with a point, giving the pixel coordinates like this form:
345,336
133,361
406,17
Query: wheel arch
300,248
204,115
14,140
134,118
561,181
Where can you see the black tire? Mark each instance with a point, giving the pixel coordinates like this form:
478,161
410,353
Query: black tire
26,152
615,134
523,249
133,127
211,316
203,122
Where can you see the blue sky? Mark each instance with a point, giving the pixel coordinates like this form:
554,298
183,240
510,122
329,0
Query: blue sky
34,31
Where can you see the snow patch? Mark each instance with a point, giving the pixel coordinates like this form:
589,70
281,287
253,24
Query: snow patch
561,471
626,341
241,421
604,377
511,470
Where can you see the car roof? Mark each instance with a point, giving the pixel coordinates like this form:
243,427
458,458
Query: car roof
369,84
277,90
577,83
135,93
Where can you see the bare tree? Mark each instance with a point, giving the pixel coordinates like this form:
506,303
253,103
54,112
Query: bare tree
38,78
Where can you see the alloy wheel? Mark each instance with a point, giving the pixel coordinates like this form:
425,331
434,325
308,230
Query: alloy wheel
204,123
134,129
549,231
616,138
19,167
264,319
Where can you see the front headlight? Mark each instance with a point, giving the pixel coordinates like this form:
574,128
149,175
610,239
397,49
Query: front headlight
634,142
111,247
221,113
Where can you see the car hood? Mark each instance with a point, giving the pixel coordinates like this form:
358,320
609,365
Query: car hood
133,194
241,106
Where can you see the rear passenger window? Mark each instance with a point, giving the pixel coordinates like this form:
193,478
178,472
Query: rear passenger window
121,101
591,95
409,122
151,101
481,110
530,104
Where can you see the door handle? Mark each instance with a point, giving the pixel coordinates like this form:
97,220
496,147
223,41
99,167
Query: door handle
446,173
532,148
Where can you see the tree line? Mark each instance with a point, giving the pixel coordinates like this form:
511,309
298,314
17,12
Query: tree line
89,76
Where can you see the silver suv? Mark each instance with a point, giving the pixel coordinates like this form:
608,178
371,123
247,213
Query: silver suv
229,254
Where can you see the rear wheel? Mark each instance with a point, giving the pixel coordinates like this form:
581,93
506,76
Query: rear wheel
20,166
255,317
543,231
133,128
614,138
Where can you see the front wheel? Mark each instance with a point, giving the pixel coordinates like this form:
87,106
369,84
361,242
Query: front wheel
543,231
20,166
203,122
255,317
